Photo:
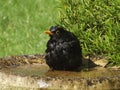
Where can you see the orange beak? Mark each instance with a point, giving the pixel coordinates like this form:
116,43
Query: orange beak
48,32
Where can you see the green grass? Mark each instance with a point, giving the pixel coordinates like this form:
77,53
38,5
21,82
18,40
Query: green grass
22,25
97,25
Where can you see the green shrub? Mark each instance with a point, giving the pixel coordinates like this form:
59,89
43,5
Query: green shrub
96,23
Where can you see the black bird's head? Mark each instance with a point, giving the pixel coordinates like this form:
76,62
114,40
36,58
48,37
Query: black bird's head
56,31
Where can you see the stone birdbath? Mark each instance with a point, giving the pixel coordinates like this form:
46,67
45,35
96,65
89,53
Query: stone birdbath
30,72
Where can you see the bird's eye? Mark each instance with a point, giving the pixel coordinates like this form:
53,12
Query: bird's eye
57,32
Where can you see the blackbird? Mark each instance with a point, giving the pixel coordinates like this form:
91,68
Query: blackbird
63,50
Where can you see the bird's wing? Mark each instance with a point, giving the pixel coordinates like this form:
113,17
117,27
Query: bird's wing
66,48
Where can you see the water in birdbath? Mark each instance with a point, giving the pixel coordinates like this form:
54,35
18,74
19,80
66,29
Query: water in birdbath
37,75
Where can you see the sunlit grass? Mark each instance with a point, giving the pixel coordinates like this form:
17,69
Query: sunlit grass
97,25
22,25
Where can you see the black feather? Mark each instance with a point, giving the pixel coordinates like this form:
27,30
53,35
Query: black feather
63,50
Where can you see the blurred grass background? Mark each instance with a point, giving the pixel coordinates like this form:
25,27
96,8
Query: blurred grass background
22,25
